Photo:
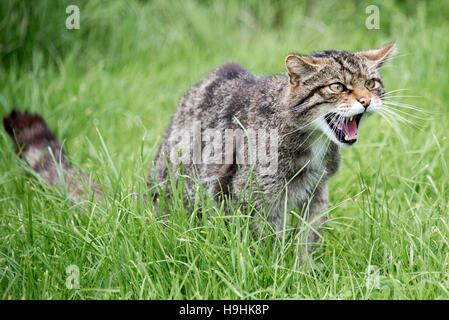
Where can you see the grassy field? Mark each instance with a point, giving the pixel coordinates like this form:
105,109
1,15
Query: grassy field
108,91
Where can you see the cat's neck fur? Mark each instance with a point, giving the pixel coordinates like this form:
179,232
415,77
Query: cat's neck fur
299,144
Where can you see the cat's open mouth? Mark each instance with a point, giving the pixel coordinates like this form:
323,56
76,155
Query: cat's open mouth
344,128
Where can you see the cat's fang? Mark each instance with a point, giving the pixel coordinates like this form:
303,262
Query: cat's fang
352,138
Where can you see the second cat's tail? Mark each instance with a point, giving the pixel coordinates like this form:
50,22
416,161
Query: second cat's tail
35,143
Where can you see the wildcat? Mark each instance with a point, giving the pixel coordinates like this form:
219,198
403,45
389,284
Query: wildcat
315,108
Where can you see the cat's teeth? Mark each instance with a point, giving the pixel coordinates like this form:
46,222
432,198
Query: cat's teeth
351,118
346,137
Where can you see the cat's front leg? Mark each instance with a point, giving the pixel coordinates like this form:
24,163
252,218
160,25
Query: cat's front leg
311,227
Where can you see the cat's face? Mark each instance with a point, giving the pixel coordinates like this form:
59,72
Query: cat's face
334,91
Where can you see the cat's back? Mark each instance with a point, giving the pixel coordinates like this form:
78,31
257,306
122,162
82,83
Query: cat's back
229,77
209,104
226,87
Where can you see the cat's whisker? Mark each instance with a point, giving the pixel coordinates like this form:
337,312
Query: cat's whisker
401,96
313,143
392,91
399,117
390,123
334,118
386,119
306,139
405,113
405,106
341,117
391,120
396,115
388,99
424,114
302,127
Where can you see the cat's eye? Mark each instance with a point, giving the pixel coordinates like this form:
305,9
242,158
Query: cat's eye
369,84
337,87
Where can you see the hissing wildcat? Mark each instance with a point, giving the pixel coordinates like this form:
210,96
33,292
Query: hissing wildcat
316,107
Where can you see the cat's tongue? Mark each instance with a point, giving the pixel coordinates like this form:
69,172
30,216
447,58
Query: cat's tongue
350,129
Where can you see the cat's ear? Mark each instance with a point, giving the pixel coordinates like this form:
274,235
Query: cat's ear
378,57
299,66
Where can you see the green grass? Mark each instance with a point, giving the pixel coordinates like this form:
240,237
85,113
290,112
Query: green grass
121,75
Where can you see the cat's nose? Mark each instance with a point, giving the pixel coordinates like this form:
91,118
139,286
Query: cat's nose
365,101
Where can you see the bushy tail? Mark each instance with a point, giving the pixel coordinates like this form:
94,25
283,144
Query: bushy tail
35,143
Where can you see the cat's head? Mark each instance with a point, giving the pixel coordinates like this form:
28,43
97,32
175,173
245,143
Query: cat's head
336,90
